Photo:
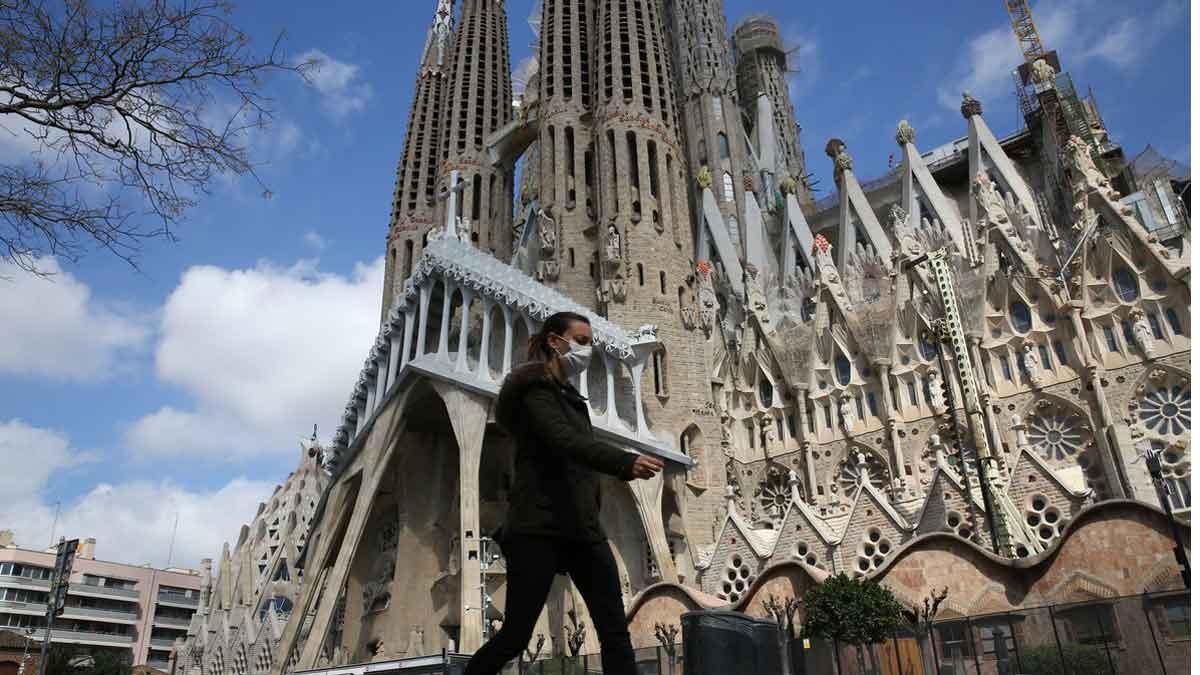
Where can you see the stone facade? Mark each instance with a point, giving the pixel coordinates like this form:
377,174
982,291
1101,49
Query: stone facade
938,366
243,609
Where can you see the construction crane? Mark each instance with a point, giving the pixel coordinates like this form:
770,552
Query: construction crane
1009,531
1025,30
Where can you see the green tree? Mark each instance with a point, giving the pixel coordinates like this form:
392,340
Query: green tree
851,611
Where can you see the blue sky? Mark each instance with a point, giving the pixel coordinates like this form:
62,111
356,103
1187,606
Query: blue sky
183,388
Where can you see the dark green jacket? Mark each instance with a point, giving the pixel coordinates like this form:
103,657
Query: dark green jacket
556,490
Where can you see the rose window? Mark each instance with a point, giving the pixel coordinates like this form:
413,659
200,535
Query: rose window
858,464
1167,410
1058,436
774,493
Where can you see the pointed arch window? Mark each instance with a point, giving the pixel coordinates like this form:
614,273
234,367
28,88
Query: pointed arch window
928,346
727,186
766,391
1173,321
1022,319
723,145
842,367
1125,283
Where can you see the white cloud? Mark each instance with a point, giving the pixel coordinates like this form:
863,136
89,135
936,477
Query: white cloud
264,353
314,240
116,514
342,90
1081,31
57,329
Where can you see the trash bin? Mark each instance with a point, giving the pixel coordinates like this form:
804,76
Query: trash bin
729,643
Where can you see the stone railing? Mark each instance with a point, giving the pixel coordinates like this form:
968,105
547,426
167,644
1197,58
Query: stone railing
464,317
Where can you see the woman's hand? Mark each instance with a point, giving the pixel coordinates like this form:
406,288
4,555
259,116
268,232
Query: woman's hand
645,466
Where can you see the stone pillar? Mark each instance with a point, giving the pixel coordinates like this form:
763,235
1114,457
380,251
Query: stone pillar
468,415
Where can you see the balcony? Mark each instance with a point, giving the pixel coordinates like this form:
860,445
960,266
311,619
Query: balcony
9,581
85,638
177,600
159,665
162,643
89,613
171,622
94,591
27,608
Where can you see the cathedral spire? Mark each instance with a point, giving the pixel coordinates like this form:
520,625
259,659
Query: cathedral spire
438,41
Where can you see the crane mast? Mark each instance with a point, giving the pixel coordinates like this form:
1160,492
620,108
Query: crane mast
1008,527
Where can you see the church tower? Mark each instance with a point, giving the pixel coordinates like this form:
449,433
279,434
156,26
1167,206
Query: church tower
567,157
712,129
413,199
478,103
762,69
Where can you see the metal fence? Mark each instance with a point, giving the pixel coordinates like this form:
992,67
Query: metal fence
1136,635
1140,634
650,661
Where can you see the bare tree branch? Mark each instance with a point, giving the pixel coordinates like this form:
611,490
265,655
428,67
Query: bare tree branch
129,111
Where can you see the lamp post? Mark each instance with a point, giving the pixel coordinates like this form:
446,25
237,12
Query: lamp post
1153,457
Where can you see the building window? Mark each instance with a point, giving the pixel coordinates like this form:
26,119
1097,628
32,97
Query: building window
828,417
912,393
996,640
953,641
1006,369
1177,620
1060,351
928,346
1127,331
872,405
1173,321
810,414
1155,327
1090,624
842,364
658,364
1022,320
1045,354
1126,284
1111,338
662,282
858,405
727,186
641,275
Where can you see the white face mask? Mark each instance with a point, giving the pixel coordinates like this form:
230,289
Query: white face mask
577,358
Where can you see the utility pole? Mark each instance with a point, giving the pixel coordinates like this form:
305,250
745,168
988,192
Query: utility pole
57,601
1163,488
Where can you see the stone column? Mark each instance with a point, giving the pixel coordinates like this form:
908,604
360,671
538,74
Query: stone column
468,415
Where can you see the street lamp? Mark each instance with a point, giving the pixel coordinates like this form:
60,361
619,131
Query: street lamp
1153,457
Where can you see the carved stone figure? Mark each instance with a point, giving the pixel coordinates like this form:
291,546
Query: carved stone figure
1142,332
704,178
970,106
706,297
836,150
612,243
767,424
1030,361
687,310
1085,176
1042,72
905,134
937,392
990,201
844,417
547,232
787,185
756,296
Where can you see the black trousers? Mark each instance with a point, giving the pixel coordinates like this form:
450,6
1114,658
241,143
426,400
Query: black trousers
532,563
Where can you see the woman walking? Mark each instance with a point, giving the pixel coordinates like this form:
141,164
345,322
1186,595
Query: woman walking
553,523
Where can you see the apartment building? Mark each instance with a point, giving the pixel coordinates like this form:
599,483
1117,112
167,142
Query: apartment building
109,605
